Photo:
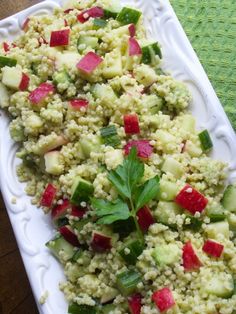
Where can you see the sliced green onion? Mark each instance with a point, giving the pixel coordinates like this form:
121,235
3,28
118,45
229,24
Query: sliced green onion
99,23
127,281
128,16
131,251
77,255
110,136
5,61
205,140
75,308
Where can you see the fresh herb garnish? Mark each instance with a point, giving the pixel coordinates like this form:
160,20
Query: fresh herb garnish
132,196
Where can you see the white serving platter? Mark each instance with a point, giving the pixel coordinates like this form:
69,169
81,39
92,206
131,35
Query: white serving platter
31,227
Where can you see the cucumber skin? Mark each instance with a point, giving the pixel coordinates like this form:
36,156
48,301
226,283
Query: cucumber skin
5,61
228,200
206,142
128,16
81,191
81,309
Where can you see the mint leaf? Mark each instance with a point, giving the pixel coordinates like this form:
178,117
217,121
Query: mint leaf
109,212
126,176
147,192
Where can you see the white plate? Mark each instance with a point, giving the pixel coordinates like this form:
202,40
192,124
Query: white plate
31,227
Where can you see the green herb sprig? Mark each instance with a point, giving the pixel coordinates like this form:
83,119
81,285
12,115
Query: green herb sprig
132,195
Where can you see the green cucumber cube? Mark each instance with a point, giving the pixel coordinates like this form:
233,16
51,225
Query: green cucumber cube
229,197
127,282
128,16
75,308
81,191
5,61
166,254
131,251
59,244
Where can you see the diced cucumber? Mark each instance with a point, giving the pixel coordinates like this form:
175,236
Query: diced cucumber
149,53
127,281
4,96
166,254
61,77
110,136
109,14
81,190
53,163
232,222
107,309
221,285
188,123
99,23
109,295
172,166
59,244
166,211
11,77
229,197
128,16
205,141
75,308
105,94
153,103
112,9
86,41
131,251
90,144
216,228
5,61
67,60
215,213
168,190
79,225
112,64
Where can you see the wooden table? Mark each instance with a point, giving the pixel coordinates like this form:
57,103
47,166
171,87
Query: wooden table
15,292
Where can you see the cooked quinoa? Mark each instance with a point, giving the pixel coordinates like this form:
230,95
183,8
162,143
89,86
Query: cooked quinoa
83,86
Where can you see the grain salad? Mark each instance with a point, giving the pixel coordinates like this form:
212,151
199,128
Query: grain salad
145,221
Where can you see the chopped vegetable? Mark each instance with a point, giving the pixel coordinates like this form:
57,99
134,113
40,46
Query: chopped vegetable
59,245
134,47
100,242
40,93
135,303
110,136
5,61
163,299
145,218
205,140
60,210
69,235
190,259
228,200
128,16
99,23
60,38
213,248
150,52
131,124
75,308
191,199
143,147
92,12
48,196
81,191
6,47
89,62
24,82
26,24
132,30
127,281
131,251
77,104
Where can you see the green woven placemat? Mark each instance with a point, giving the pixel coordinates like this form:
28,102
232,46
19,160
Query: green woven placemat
211,27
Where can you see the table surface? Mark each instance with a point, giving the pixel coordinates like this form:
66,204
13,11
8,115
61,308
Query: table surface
15,292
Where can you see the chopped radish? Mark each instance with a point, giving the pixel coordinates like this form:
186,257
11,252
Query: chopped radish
6,47
145,218
131,124
132,30
135,303
60,210
164,299
60,38
69,235
77,104
77,211
144,148
40,93
191,199
24,82
134,47
68,11
14,45
89,62
48,196
93,12
213,248
26,24
100,242
190,258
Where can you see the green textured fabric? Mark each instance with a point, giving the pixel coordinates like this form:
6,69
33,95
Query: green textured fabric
211,27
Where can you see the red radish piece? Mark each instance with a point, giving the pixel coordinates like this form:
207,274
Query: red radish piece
60,38
100,242
134,47
135,303
213,248
77,104
89,62
14,45
25,24
77,211
144,149
190,199
132,30
68,11
190,258
131,124
48,196
93,12
69,235
60,210
6,47
145,218
24,84
40,93
163,299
